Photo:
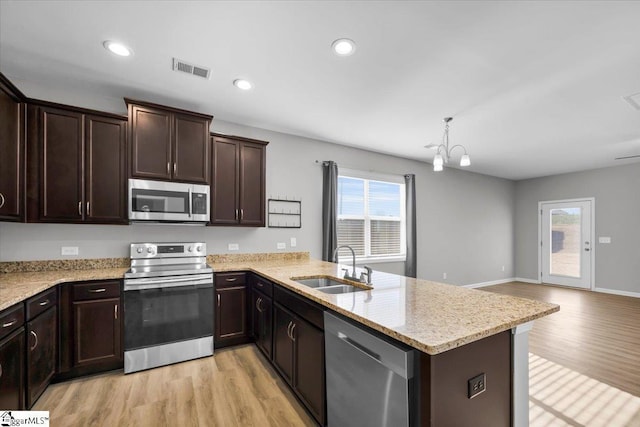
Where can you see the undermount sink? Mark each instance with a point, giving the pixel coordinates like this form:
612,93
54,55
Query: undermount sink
319,282
328,285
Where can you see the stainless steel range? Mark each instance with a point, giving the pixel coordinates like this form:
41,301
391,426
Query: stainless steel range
168,305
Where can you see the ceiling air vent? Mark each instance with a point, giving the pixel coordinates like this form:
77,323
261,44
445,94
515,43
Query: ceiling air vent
185,67
633,100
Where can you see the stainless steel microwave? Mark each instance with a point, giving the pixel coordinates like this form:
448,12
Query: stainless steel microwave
160,201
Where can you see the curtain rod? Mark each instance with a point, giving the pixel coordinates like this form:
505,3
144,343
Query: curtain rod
322,162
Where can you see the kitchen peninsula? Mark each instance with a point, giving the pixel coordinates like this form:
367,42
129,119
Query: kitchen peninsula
459,332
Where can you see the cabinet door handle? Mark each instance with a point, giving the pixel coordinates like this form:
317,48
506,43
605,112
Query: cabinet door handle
80,208
43,303
236,214
293,328
1,200
96,291
259,284
258,304
115,311
289,330
10,323
231,279
241,214
88,206
36,344
218,300
175,168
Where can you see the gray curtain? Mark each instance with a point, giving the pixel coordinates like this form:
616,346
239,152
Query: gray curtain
329,209
410,267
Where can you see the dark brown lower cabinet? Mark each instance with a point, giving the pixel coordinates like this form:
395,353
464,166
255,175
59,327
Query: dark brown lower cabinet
12,371
41,353
282,342
231,316
299,356
96,326
262,308
91,328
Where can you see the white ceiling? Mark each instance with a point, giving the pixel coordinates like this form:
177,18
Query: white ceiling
535,88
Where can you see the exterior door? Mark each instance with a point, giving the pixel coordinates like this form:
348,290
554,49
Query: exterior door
566,251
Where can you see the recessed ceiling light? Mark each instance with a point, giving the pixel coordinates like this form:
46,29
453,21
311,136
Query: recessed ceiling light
343,47
117,48
242,84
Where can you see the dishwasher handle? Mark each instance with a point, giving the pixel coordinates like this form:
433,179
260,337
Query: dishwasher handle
373,355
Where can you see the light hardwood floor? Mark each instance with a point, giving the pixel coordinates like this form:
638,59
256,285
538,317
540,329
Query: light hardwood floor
584,364
584,371
236,387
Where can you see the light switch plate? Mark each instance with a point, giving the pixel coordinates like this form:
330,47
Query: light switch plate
294,242
604,239
234,246
69,250
281,245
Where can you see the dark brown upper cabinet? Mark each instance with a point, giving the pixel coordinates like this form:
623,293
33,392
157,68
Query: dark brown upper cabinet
76,165
12,147
168,143
238,181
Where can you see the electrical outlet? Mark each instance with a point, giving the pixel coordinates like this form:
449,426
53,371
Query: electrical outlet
281,245
234,246
604,239
503,268
69,250
444,275
294,242
477,385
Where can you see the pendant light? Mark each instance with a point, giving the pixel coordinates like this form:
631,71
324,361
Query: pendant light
443,155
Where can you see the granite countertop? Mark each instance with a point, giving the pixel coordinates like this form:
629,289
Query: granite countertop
429,316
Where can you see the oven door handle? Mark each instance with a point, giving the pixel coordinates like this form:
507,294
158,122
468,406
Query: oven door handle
140,284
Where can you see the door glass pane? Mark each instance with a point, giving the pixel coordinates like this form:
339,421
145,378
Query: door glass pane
565,242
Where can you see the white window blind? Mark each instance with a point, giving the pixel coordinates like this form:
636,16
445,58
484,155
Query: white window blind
371,217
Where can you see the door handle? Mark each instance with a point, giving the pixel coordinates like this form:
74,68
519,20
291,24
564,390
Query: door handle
293,328
231,279
80,208
88,206
289,329
115,311
1,200
36,343
43,303
168,168
218,300
175,167
96,291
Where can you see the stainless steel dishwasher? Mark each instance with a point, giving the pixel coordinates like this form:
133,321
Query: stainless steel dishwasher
371,381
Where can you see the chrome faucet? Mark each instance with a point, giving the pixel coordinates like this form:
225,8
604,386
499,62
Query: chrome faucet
346,271
366,277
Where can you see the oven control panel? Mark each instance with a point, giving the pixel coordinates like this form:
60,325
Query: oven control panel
168,250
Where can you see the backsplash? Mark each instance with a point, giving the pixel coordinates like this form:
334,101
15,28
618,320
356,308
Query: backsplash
98,263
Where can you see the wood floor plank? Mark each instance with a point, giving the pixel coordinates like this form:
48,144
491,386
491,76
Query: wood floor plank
594,333
236,387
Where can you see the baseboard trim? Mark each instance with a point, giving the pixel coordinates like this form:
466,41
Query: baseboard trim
617,292
490,283
524,280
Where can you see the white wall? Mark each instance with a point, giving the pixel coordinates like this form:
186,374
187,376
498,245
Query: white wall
617,215
465,220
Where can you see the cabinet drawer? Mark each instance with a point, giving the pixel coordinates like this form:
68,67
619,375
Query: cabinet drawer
263,285
11,319
41,302
307,309
228,280
96,290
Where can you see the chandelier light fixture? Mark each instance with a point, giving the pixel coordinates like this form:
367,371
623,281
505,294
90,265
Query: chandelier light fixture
443,155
